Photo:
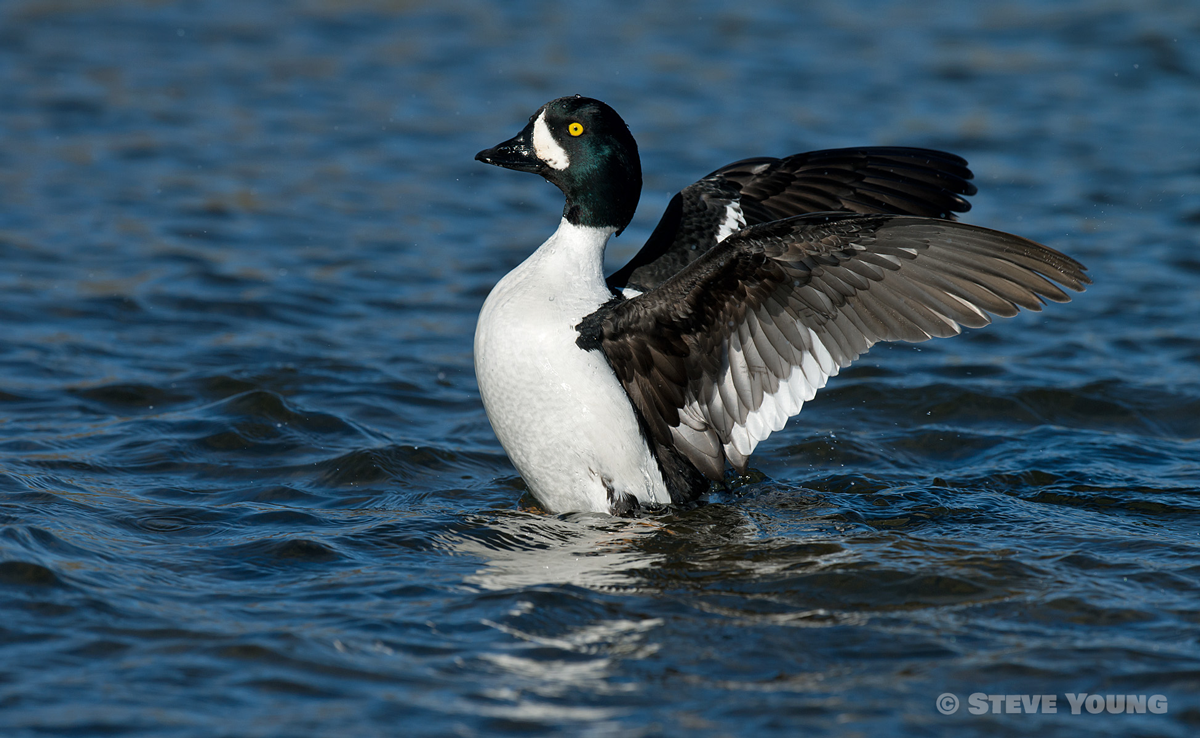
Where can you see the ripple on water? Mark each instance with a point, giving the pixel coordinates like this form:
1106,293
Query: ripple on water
27,574
247,486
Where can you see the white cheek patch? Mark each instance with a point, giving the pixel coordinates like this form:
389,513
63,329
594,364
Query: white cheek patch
546,148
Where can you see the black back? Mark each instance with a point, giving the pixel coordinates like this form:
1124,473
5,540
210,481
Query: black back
882,179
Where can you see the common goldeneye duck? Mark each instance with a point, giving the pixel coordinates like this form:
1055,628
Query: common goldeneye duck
761,282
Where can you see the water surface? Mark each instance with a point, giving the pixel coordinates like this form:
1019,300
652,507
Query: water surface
247,487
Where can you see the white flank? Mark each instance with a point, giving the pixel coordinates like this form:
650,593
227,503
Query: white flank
559,411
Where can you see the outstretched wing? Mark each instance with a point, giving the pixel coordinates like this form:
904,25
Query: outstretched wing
723,353
881,179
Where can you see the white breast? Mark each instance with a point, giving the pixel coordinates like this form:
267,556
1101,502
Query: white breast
559,411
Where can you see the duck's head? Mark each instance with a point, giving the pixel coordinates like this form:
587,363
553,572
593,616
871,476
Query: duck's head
583,147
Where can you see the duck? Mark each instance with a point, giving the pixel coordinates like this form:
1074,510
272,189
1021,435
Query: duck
641,389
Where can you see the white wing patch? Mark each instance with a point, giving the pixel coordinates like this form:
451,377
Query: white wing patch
734,221
770,411
767,374
546,148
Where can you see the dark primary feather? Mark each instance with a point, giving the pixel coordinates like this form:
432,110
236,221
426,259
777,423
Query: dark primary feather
881,179
704,355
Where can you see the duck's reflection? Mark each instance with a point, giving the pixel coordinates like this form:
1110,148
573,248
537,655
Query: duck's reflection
589,550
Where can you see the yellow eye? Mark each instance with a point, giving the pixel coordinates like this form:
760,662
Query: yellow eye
575,129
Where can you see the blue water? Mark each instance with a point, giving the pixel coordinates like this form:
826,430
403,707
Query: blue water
247,487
